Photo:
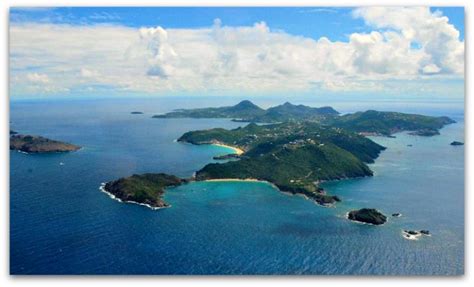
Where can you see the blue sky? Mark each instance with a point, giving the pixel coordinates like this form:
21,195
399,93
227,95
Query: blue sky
239,45
335,23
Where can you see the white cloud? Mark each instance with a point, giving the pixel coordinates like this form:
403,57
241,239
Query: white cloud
249,59
39,84
37,78
431,69
338,84
158,51
89,73
438,38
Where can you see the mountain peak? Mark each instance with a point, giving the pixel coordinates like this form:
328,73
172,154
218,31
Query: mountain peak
246,104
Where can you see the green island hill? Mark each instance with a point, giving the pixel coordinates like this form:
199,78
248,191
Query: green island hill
294,156
387,123
244,109
370,122
146,189
37,144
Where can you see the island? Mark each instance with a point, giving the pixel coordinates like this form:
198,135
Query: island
367,215
371,122
296,147
38,144
456,143
136,113
146,189
246,111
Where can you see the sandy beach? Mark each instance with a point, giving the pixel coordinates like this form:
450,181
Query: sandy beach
236,149
236,179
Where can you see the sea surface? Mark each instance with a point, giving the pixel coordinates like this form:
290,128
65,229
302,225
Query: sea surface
60,222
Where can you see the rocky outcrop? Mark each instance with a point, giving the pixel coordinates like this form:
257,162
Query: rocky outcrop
367,215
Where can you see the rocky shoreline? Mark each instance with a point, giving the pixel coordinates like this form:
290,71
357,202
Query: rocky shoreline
415,235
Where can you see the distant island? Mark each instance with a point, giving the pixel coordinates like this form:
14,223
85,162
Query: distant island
455,143
296,149
136,113
246,111
367,123
38,144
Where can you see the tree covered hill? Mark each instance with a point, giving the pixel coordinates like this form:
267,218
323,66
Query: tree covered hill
247,111
387,123
292,155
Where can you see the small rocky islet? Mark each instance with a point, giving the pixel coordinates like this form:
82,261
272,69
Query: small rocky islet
367,215
456,143
415,234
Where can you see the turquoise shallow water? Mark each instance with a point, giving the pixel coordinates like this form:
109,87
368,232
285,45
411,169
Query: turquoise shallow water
60,223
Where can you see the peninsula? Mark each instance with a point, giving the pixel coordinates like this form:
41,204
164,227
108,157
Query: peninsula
294,156
37,144
146,189
387,123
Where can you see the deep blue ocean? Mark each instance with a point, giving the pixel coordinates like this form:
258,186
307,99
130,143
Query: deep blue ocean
60,223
